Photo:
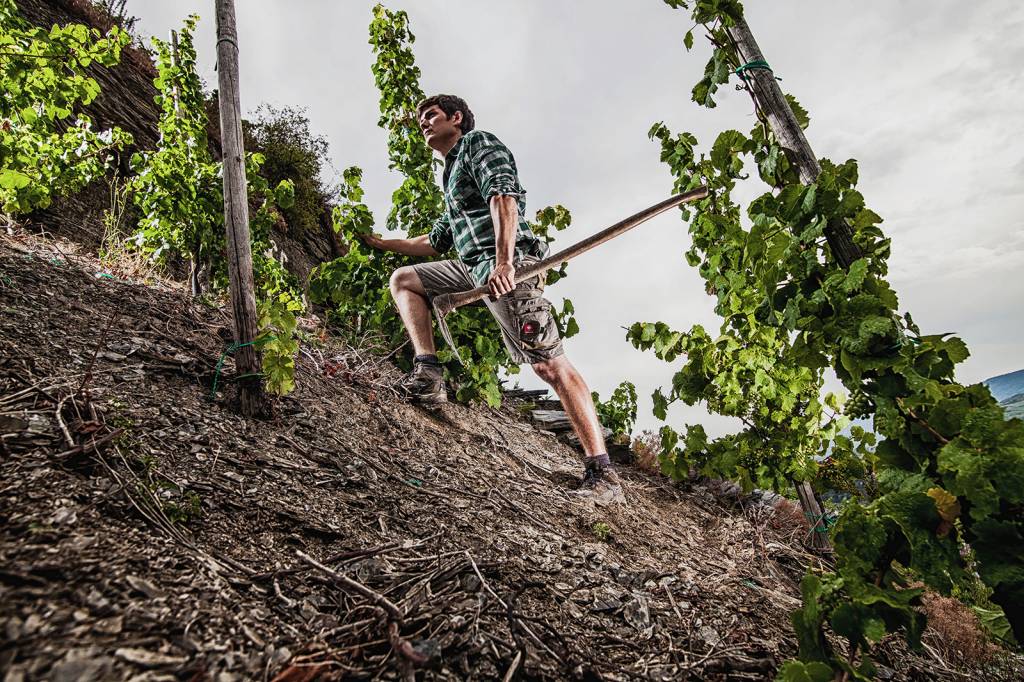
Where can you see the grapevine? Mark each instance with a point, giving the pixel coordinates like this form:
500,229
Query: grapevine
949,468
858,405
47,147
618,413
178,191
176,187
356,285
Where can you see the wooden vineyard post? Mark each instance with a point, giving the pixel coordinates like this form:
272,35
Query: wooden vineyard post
773,107
815,516
174,60
781,119
236,213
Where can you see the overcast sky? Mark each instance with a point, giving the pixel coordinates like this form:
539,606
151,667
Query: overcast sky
927,95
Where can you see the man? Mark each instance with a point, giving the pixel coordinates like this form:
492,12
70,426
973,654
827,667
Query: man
483,222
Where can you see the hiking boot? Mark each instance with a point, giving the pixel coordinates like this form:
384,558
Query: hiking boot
424,384
602,485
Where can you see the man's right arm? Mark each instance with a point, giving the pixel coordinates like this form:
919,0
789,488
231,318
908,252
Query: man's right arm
417,246
433,243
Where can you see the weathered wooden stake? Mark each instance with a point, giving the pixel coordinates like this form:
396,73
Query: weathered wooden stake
772,103
174,61
780,117
236,213
815,517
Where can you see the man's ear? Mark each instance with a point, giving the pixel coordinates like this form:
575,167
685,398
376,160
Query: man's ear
456,118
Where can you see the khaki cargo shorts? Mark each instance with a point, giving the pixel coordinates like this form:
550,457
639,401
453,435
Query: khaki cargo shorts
527,328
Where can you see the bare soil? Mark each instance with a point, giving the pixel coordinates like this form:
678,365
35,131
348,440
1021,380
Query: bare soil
149,532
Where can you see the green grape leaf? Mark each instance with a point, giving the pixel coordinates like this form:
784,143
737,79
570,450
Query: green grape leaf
995,623
797,671
284,194
660,405
802,118
855,275
12,179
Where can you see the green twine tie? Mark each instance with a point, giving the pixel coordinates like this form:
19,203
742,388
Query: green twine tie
231,349
750,66
826,522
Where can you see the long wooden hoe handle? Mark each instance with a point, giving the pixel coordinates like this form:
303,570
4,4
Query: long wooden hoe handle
446,303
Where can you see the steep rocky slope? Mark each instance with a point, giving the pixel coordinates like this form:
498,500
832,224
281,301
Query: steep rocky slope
149,532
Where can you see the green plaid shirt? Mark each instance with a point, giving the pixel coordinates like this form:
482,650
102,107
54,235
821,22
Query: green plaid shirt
477,168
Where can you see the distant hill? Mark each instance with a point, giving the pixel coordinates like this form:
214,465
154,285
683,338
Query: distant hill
1006,385
1014,406
1008,389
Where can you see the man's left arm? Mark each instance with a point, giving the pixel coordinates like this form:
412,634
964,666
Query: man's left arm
495,174
505,216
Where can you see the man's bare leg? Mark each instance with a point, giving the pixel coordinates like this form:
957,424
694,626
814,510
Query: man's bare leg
600,483
411,299
425,383
576,400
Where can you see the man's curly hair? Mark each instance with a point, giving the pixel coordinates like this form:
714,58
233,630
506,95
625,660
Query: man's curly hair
449,104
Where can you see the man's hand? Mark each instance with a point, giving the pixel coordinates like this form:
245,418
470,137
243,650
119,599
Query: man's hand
372,240
502,280
416,246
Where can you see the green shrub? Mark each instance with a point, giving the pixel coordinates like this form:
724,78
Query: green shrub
291,152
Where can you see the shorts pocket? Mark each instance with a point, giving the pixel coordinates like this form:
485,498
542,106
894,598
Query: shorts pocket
535,327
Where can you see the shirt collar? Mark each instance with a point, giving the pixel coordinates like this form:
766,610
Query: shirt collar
454,151
449,159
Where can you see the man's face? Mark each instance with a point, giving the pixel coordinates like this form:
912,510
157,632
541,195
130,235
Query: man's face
440,131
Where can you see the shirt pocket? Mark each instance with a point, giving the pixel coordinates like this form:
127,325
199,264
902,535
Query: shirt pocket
462,192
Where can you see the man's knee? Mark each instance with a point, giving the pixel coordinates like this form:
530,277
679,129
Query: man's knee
551,371
403,279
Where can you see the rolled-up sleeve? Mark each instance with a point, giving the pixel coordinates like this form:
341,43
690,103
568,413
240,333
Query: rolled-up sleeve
493,167
440,235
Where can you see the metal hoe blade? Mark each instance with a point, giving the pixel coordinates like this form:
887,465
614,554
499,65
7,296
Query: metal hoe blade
446,333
